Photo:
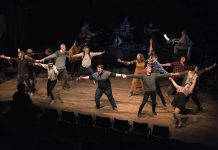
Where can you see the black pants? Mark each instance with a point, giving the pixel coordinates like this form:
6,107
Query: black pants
145,99
108,93
159,93
194,97
74,68
50,86
24,77
33,79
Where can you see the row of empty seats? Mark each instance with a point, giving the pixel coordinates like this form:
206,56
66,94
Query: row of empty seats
88,122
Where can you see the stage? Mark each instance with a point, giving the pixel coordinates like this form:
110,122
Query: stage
198,128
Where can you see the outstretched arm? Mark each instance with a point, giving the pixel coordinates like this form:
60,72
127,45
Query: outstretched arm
126,62
174,83
50,57
117,75
5,57
93,54
78,55
206,69
84,78
180,74
135,76
166,64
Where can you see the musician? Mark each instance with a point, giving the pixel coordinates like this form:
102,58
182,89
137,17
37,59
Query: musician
73,62
85,31
125,26
182,43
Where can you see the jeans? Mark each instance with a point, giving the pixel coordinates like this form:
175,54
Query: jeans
108,93
145,99
90,70
34,81
159,93
50,86
64,75
24,77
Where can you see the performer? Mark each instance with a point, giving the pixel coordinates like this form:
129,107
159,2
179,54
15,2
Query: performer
32,74
104,85
188,77
73,62
46,53
182,43
23,69
179,100
125,26
157,68
60,64
85,30
152,46
178,66
87,59
52,79
149,80
140,66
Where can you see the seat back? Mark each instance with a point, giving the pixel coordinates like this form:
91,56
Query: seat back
103,122
121,125
141,128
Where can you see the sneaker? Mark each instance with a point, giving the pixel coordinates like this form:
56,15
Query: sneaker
115,109
179,125
51,102
139,115
49,98
154,113
45,98
131,94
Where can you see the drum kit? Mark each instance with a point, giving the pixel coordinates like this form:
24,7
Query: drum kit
124,34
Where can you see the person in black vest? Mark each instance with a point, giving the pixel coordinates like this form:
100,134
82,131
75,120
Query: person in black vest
104,85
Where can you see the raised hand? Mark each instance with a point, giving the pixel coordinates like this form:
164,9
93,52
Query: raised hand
119,60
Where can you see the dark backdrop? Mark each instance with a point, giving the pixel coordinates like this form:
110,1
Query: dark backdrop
33,23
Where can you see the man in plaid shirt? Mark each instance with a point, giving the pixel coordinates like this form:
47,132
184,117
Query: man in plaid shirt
178,66
157,68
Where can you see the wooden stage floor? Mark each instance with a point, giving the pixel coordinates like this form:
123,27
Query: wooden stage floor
199,128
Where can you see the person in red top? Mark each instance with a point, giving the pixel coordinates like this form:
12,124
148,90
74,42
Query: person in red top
178,66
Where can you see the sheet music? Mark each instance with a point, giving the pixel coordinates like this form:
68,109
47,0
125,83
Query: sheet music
165,36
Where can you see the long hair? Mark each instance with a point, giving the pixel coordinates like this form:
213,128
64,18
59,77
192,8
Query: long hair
141,58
